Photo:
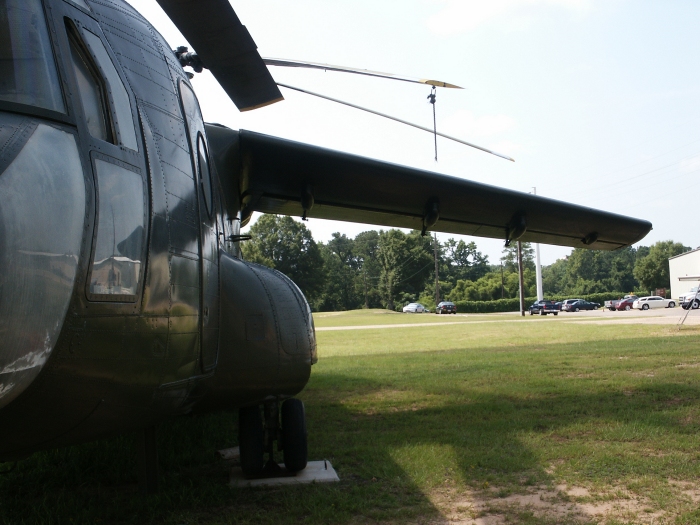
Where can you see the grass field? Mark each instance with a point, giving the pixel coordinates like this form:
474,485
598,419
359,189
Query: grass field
468,422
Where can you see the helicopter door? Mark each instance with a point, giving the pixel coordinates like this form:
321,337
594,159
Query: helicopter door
119,238
209,268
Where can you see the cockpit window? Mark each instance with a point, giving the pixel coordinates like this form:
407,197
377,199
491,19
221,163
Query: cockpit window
81,3
27,69
126,134
92,93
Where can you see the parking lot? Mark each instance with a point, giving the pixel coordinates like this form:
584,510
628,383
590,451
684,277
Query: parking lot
656,316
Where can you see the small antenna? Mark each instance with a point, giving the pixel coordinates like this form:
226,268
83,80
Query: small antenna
431,99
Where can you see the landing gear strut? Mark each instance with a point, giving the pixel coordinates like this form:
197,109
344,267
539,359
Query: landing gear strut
257,436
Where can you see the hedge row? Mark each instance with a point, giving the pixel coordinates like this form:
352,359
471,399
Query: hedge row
513,305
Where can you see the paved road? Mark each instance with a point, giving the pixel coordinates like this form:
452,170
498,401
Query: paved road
665,316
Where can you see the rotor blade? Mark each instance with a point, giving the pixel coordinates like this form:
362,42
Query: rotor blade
342,69
226,49
397,120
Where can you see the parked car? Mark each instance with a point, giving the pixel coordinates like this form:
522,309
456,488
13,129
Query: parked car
623,304
653,301
569,301
446,307
415,308
545,307
574,305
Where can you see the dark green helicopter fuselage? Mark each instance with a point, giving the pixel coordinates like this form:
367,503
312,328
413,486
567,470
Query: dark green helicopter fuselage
123,299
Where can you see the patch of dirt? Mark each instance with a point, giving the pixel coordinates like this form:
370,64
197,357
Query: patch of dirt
562,503
688,365
692,490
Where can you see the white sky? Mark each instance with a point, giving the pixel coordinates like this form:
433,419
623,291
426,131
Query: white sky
597,100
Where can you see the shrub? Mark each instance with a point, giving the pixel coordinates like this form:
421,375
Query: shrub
513,305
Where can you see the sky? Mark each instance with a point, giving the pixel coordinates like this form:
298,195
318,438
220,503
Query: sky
598,101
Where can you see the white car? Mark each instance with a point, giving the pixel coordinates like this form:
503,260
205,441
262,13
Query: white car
415,308
653,301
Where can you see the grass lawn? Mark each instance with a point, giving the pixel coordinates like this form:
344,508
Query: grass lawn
500,422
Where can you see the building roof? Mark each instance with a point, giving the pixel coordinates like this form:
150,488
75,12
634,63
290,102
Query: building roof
684,253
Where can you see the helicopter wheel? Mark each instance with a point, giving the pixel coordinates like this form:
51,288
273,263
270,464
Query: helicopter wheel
294,443
251,439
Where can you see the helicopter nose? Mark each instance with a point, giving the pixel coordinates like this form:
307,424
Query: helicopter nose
42,217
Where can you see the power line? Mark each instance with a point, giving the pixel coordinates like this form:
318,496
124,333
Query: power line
615,183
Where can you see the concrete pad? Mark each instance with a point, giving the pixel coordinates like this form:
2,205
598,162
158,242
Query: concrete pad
315,472
230,454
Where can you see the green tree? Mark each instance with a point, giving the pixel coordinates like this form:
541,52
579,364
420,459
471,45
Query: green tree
286,245
405,261
463,261
366,249
554,277
587,271
652,271
339,289
509,259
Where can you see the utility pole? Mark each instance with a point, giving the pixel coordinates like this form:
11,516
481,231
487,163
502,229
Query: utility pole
520,276
538,265
437,277
364,278
502,282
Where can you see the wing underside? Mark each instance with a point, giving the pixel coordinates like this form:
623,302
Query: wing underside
273,175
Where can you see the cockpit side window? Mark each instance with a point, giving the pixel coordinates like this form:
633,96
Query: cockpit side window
124,121
92,91
28,72
81,3
99,84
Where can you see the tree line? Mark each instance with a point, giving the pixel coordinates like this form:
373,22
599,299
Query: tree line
389,268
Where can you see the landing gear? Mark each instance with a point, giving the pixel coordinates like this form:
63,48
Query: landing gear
294,435
257,436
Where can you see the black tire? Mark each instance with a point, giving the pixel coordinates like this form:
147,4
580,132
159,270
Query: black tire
576,309
251,439
671,304
627,308
555,313
695,305
531,312
645,307
294,436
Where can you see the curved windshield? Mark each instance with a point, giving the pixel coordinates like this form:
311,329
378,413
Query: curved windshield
27,68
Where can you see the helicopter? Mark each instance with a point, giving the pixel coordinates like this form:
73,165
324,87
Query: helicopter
124,299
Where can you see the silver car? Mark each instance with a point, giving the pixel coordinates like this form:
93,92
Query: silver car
414,308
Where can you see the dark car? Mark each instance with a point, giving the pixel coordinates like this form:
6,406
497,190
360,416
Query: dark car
446,307
545,307
577,305
624,303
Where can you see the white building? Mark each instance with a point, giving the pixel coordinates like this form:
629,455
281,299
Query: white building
683,265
